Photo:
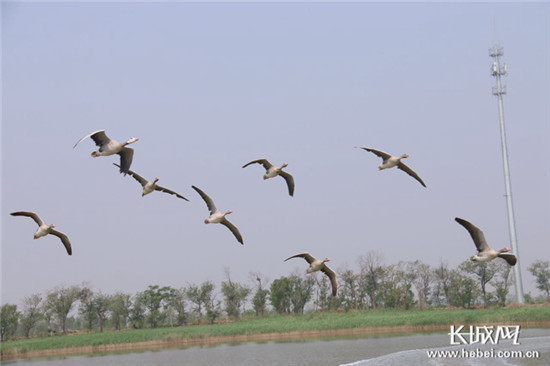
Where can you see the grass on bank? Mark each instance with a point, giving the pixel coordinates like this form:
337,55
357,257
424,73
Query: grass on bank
287,323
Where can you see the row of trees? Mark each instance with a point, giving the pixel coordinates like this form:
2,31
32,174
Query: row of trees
404,285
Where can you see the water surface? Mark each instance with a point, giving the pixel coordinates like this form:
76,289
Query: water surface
389,350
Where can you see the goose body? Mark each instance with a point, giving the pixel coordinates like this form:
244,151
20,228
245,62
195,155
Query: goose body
319,265
271,171
217,217
44,229
109,147
391,161
485,252
150,186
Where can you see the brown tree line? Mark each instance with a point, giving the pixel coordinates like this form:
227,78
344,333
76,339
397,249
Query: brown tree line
405,285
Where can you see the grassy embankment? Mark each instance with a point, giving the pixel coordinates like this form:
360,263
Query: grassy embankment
314,324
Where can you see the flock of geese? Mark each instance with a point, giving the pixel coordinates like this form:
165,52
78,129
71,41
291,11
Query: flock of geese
107,147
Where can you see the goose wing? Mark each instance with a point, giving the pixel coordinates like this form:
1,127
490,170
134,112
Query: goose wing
308,257
332,275
169,191
410,172
32,215
99,137
289,181
476,234
209,203
380,153
233,229
264,162
64,240
509,257
126,156
136,176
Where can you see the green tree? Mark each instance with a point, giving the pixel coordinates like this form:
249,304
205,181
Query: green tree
372,273
213,310
259,300
482,273
177,304
31,313
463,290
503,281
300,294
102,304
119,309
9,317
137,312
280,291
349,291
396,288
422,282
235,296
60,301
541,271
443,278
87,308
323,293
200,296
154,298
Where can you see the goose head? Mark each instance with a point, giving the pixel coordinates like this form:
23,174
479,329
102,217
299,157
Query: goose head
404,156
95,154
326,260
504,250
130,141
284,165
156,180
228,212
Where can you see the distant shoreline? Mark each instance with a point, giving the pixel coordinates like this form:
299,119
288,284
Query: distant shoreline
243,338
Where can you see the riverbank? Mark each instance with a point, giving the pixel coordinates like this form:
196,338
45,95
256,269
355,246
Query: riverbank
276,327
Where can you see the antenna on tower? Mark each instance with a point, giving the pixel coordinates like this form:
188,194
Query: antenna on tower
498,70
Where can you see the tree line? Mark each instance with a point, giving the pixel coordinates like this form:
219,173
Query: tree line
405,285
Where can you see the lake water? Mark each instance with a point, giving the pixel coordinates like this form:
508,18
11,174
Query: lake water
389,350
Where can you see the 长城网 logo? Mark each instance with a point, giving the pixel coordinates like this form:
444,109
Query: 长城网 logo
484,334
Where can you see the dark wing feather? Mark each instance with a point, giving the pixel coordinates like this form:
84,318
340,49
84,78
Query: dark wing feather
64,240
264,162
126,156
332,275
308,257
382,154
233,229
209,203
169,191
410,172
289,182
509,257
99,137
136,176
32,215
475,233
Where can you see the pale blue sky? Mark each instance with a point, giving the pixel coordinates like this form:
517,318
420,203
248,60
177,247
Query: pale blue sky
209,87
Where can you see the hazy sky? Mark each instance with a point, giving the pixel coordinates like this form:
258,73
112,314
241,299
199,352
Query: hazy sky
209,87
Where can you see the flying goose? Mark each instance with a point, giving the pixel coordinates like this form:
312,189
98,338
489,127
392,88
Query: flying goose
485,252
216,217
389,161
273,171
149,186
109,147
319,265
44,229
